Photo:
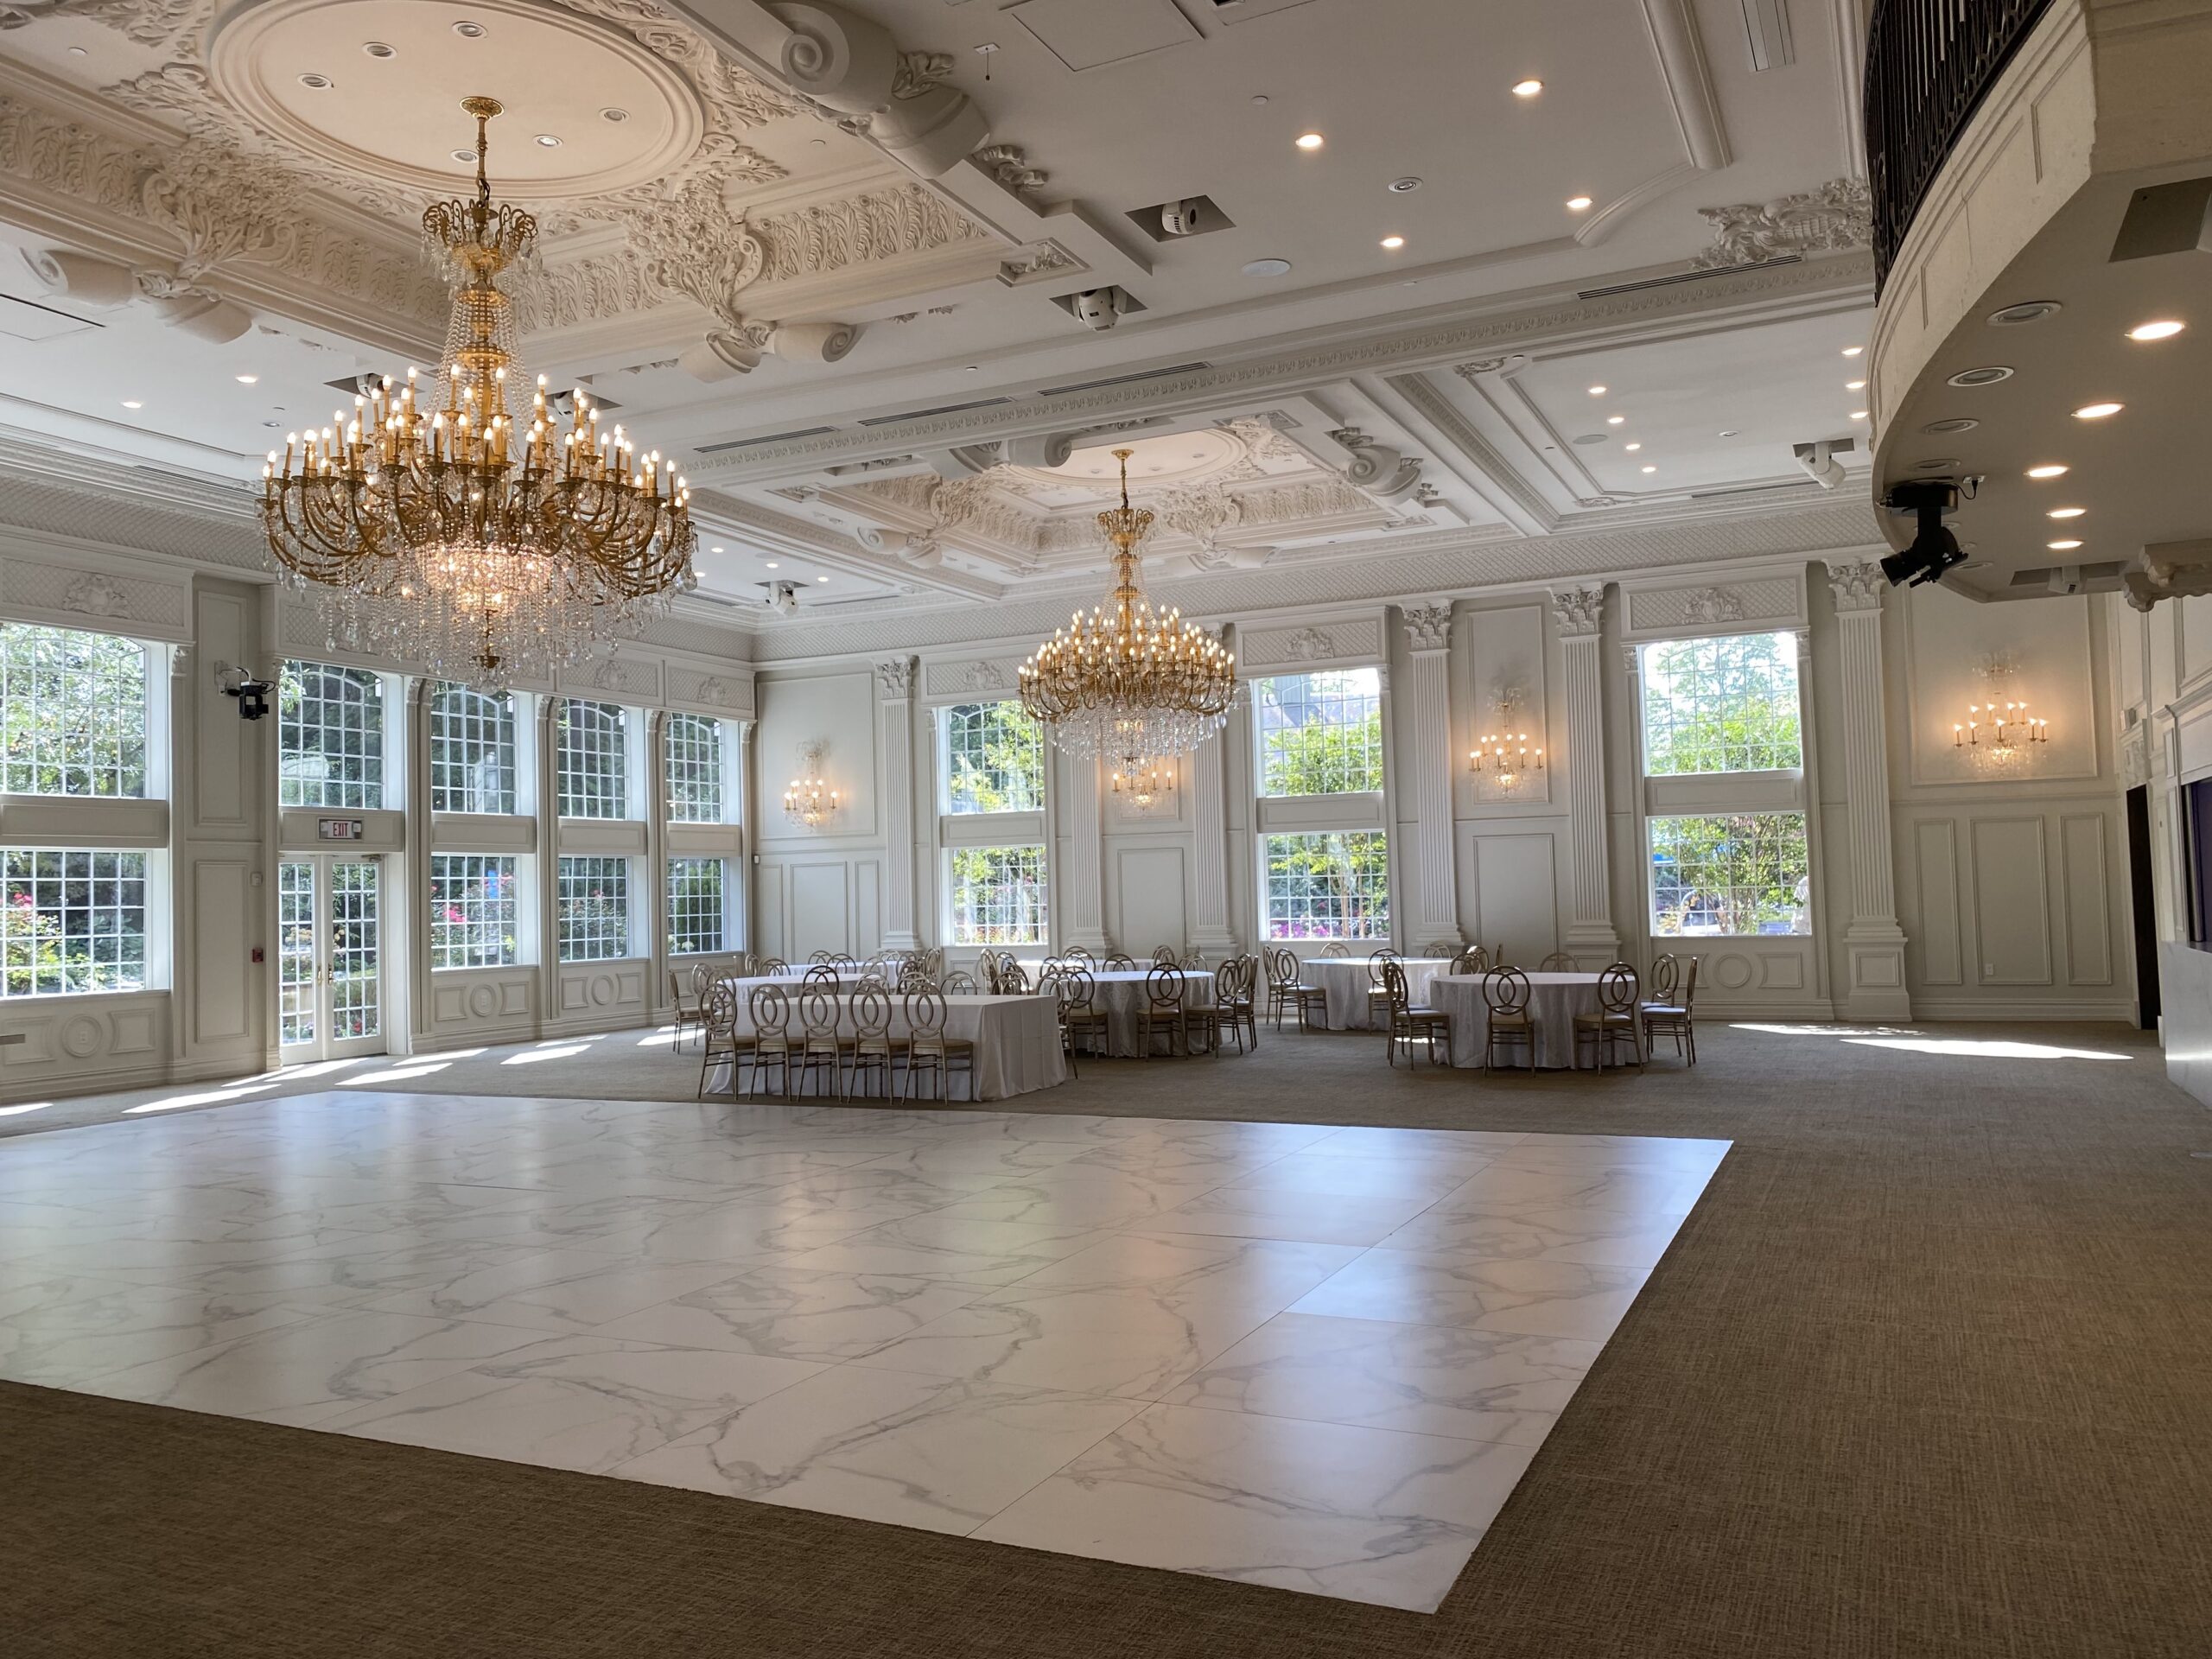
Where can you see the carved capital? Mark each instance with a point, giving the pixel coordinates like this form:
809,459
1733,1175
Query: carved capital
1838,216
1428,627
895,680
1858,585
1579,612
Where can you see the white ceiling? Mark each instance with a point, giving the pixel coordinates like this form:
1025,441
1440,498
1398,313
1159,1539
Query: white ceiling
1398,89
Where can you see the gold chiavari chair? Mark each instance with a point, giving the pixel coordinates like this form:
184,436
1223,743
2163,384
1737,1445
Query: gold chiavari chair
928,1049
1166,956
1473,960
684,998
1618,1016
819,1044
1441,950
1080,953
1288,992
1336,950
821,973
1505,993
1409,1024
844,964
1378,994
818,959
1120,962
718,1035
1012,981
771,1013
870,1049
1163,1013
959,982
1675,1018
1558,962
1243,1001
770,968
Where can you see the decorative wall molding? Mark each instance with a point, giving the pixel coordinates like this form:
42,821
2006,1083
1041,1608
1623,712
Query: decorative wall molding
1428,627
895,680
1857,584
1837,218
1578,612
1755,602
96,595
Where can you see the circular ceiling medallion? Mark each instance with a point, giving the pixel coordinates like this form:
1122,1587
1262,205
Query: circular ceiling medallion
2012,316
1985,377
400,120
1956,424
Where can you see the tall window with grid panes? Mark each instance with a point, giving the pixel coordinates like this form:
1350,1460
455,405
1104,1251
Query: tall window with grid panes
77,718
1722,720
481,765
701,761
1324,855
991,815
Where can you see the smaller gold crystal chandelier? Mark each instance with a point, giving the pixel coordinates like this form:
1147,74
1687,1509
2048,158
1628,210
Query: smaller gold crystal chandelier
809,801
1999,733
448,527
1132,686
1506,759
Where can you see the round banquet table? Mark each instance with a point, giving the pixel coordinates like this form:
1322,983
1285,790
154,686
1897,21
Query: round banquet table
1016,1039
1120,995
1345,981
1554,1000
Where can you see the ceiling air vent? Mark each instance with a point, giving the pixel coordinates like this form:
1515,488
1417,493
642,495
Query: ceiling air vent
1688,277
1122,379
754,443
2063,579
942,409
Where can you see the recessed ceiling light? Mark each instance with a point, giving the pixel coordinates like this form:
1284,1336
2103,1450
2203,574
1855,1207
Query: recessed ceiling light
821,578
463,155
76,51
1267,268
248,379
315,83
378,49
132,403
1527,88
1651,469
773,566
716,549
1854,385
1632,447
1393,243
1615,420
1259,97
2065,512
2012,316
2062,547
1309,141
1857,414
548,141
1597,391
2156,330
469,31
613,114
2048,470
1731,433
1853,350
1982,377
2097,411
972,367
1952,423
1405,185
1578,204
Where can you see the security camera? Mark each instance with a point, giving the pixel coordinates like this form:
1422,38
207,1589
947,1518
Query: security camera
1098,308
1820,462
782,598
1934,549
1182,217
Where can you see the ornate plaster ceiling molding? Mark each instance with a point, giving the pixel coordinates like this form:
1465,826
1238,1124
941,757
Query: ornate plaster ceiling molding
1475,337
1837,218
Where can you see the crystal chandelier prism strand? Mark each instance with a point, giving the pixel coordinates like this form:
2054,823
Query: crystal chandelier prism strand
433,525
1129,685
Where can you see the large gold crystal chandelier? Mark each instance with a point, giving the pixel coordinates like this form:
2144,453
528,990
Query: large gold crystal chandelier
1130,685
442,524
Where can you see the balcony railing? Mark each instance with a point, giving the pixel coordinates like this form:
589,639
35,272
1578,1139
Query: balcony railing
1929,65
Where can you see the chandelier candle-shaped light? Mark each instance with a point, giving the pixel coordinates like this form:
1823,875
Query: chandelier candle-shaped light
1505,757
808,801
1128,684
1998,729
1145,783
439,524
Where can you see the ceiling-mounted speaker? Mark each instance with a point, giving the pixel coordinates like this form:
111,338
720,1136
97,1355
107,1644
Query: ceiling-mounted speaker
813,342
719,357
204,316
1767,23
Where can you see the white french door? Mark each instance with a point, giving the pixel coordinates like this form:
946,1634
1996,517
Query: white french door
329,965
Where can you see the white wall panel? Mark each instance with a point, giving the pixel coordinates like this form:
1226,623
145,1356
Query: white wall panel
1151,899
1517,892
2012,887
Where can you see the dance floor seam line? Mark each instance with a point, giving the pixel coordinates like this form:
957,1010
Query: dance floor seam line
1343,1418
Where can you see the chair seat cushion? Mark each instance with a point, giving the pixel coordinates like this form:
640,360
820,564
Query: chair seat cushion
1594,1021
1666,1010
1498,1019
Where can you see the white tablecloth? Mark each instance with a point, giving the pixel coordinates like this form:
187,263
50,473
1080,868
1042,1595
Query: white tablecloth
1344,982
1120,996
1017,1040
1554,1000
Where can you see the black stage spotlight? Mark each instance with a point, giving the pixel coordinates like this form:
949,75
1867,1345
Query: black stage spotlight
1934,549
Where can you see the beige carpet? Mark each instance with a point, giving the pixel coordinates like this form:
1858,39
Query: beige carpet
1927,1372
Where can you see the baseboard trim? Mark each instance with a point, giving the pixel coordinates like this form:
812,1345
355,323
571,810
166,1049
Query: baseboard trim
1948,1008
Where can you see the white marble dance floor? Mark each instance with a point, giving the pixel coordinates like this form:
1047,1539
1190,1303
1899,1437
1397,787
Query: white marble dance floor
1312,1358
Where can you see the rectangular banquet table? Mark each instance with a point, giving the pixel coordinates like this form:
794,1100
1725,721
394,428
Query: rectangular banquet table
1554,1000
1017,1038
1120,995
1345,981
